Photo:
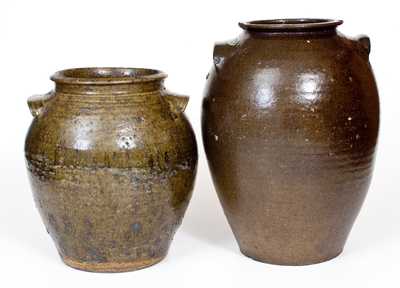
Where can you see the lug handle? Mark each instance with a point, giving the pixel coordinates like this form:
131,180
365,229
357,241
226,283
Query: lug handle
37,103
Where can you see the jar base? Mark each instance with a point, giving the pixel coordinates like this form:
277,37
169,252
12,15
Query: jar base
111,267
311,261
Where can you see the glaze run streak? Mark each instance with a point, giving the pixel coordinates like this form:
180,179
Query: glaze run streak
290,125
112,162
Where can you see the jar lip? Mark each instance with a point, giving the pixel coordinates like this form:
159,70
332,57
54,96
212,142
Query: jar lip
290,24
107,75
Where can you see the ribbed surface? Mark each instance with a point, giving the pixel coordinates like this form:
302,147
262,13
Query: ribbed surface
290,125
112,169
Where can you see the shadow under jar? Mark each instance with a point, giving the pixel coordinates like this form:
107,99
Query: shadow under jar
290,124
112,162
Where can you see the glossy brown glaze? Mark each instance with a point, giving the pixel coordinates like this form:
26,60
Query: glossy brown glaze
112,162
290,124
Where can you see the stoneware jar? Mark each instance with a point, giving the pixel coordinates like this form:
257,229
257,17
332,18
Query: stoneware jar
290,125
112,162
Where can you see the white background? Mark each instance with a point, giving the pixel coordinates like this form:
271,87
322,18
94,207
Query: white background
41,37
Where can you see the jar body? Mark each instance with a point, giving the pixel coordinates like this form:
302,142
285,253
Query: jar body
290,125
111,177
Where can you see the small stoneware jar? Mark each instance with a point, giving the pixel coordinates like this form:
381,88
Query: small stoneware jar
112,162
290,127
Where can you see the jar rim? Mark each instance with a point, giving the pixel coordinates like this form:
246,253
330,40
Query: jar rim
107,75
290,24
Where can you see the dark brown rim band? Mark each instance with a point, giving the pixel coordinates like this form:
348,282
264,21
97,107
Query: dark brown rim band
298,24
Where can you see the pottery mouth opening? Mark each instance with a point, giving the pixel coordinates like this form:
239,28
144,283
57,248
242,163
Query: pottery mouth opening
290,25
107,75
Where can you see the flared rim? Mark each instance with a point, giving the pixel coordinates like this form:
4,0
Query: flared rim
291,24
107,75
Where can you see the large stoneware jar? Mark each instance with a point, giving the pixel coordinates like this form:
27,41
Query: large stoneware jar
290,125
112,162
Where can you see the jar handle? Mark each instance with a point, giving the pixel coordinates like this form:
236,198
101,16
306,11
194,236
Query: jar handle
364,44
222,51
36,103
176,102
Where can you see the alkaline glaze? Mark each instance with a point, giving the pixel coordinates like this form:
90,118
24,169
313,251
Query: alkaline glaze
290,124
112,162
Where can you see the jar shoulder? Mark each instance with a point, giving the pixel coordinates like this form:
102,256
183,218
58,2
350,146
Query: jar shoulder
269,87
329,68
251,55
104,135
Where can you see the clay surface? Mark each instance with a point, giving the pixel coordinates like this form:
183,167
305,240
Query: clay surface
290,124
112,162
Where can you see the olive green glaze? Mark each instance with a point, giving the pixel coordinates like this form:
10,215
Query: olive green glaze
290,125
112,162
